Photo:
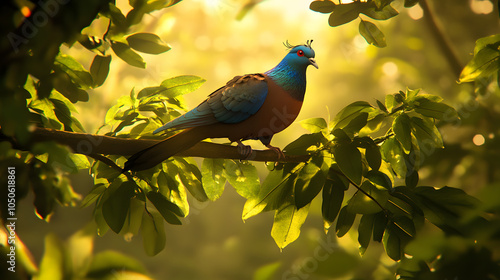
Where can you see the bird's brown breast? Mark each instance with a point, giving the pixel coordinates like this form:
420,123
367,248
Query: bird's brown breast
277,113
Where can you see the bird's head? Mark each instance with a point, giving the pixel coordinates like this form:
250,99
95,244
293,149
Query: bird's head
301,55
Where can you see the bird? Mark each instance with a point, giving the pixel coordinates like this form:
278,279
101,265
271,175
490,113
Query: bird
252,106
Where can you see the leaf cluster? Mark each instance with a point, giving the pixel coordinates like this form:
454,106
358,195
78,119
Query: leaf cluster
344,153
484,68
74,259
44,83
343,13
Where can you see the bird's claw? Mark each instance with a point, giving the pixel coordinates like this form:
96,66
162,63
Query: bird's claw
280,153
244,150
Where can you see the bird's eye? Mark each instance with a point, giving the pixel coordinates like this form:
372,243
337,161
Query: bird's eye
300,53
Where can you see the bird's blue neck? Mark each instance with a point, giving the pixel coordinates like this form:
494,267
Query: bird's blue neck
291,79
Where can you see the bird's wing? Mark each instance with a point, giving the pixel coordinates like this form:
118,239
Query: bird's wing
240,98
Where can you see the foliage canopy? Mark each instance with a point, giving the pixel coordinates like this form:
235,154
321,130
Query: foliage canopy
363,164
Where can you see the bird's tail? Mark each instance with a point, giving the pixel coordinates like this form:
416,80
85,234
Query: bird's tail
159,152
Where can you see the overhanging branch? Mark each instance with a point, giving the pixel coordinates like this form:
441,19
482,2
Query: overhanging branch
87,144
440,37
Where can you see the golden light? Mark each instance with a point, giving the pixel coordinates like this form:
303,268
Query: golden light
416,12
478,140
390,69
481,6
25,11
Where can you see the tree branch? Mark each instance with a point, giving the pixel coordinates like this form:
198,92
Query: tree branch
445,46
92,144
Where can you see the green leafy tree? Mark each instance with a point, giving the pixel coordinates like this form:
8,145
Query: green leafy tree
364,164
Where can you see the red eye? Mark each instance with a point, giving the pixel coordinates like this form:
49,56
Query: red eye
300,53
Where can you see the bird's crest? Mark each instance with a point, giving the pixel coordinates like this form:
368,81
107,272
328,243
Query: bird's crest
290,46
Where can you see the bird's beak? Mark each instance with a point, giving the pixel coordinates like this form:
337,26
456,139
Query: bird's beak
313,62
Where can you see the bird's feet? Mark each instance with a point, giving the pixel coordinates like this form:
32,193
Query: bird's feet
244,150
280,153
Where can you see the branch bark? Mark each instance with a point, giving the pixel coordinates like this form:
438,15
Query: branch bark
444,44
88,144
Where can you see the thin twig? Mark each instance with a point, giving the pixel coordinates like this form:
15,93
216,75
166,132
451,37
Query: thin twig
438,34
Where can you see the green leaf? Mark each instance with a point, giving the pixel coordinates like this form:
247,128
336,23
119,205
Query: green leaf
350,112
133,222
63,83
488,41
275,190
308,183
191,178
484,63
333,195
62,113
267,272
75,70
96,192
322,6
124,52
445,207
410,3
386,13
344,221
173,190
147,43
212,179
390,102
365,230
102,226
117,18
245,9
115,208
412,94
397,234
128,119
373,156
402,131
59,156
52,264
301,145
372,34
379,179
243,176
80,246
405,228
379,225
411,180
348,158
362,204
180,85
99,69
425,131
381,106
399,207
287,223
153,233
314,124
168,210
432,109
344,13
356,124
392,244
107,263
392,153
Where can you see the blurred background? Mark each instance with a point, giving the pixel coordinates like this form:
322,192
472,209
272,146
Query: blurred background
208,41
